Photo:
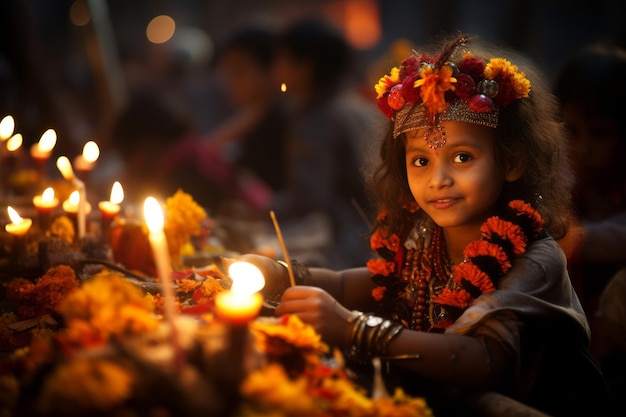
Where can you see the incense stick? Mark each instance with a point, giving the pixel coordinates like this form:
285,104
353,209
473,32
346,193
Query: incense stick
292,280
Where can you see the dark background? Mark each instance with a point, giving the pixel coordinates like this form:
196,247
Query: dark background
54,73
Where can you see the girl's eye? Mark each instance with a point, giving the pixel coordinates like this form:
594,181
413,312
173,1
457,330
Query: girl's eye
420,162
462,157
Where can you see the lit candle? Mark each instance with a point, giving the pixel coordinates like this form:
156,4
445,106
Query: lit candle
242,302
45,204
109,209
18,225
18,228
160,252
7,125
85,162
237,307
42,150
64,165
283,87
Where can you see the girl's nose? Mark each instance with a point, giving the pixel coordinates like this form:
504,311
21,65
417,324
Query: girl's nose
440,177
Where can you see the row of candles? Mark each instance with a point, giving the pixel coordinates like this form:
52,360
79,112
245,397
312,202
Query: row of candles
236,306
46,202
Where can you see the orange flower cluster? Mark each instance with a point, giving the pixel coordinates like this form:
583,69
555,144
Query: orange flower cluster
43,296
436,81
489,259
315,389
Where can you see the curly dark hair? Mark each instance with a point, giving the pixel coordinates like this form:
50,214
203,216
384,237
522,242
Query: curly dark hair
530,136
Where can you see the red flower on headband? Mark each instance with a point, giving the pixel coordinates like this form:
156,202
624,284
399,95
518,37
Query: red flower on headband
471,66
465,85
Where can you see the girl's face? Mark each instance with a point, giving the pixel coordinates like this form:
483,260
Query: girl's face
458,184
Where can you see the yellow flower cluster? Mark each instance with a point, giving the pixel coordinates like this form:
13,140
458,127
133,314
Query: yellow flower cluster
106,305
85,385
62,227
182,222
504,69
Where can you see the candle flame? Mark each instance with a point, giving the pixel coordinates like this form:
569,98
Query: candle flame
64,165
153,214
74,198
14,143
14,216
7,125
283,87
247,278
91,151
48,195
117,193
47,141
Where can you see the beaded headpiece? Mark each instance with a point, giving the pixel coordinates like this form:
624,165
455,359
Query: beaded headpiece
425,90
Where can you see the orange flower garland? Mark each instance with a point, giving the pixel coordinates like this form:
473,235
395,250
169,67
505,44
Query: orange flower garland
486,261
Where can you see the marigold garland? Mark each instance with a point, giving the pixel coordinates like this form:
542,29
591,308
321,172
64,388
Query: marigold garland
486,260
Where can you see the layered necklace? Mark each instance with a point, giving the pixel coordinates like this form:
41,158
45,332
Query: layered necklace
417,286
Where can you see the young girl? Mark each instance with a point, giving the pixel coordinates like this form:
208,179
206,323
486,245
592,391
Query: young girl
470,290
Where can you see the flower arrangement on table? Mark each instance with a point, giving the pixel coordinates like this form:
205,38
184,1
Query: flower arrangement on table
109,357
98,345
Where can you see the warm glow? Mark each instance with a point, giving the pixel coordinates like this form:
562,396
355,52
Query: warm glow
7,125
362,23
18,225
91,151
154,215
79,13
14,216
64,165
74,198
48,140
247,278
283,87
46,201
117,193
161,29
47,195
14,143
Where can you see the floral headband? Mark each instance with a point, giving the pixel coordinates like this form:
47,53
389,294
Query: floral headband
426,90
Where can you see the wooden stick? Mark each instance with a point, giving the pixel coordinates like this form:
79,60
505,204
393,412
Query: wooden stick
292,280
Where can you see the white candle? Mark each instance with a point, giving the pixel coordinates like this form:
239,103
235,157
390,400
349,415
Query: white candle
109,209
87,160
42,150
7,125
18,225
160,251
64,165
242,302
45,204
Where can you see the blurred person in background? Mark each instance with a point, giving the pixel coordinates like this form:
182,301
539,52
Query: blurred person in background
594,108
329,133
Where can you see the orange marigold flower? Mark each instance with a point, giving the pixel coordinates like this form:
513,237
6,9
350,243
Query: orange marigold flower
484,248
379,292
386,82
525,209
459,298
380,240
433,85
381,266
504,70
505,231
474,275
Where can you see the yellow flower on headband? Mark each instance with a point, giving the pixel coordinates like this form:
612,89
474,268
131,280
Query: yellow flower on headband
513,84
387,81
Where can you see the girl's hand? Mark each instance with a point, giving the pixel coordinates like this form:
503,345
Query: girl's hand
316,307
